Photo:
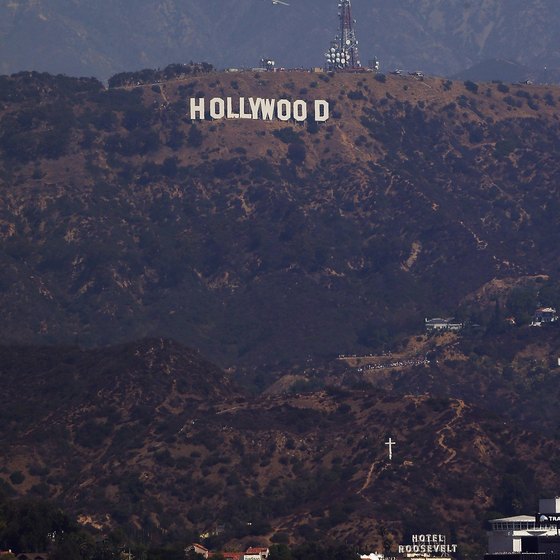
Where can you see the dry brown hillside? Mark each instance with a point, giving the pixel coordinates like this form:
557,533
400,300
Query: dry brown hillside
261,241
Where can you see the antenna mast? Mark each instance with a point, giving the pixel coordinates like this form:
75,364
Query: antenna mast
343,52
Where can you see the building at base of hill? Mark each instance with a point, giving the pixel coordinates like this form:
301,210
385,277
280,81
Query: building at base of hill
252,553
527,537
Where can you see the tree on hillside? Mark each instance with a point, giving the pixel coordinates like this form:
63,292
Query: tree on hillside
297,153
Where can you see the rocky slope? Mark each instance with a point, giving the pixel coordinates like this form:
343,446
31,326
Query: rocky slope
265,241
277,243
150,437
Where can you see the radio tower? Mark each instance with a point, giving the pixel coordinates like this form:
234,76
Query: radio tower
343,52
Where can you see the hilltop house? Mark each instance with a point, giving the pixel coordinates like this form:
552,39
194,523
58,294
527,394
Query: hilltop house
263,552
229,555
252,553
544,315
440,325
199,549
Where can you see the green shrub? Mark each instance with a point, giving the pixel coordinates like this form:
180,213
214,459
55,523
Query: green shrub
356,95
17,477
194,137
471,86
91,434
287,135
297,153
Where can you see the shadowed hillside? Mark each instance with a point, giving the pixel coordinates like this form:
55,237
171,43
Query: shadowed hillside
265,241
282,244
151,438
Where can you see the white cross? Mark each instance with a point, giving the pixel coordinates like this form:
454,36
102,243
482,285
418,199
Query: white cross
390,443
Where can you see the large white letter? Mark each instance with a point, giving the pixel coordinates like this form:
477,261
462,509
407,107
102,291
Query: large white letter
197,108
217,108
254,104
267,108
300,111
321,110
242,113
230,113
284,110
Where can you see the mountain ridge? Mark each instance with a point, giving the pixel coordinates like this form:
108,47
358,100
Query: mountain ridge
439,37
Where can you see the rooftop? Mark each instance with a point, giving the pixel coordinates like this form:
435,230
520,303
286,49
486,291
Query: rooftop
515,519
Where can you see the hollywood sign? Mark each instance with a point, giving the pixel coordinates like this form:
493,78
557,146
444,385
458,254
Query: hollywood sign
257,108
428,544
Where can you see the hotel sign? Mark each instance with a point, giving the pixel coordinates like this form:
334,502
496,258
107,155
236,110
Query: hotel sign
428,544
544,518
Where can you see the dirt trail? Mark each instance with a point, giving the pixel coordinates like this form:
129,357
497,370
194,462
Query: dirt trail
229,410
370,475
459,407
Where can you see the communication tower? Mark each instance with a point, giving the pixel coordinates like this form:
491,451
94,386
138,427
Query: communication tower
268,64
343,52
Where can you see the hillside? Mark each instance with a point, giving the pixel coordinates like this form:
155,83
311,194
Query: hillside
150,437
258,242
513,373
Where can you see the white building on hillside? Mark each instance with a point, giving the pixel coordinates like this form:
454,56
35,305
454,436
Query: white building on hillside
438,325
544,315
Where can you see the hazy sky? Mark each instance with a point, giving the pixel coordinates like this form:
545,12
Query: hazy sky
104,37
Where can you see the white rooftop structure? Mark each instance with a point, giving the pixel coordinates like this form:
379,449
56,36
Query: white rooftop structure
439,324
544,315
507,532
372,556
